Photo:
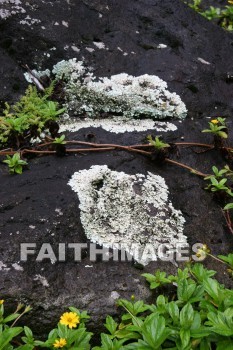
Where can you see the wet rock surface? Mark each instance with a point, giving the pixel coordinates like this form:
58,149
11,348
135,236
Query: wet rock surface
39,207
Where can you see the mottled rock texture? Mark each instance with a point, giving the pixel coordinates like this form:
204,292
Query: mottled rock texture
40,207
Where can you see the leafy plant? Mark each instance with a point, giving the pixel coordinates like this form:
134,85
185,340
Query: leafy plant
224,16
29,115
196,5
212,13
158,279
70,333
15,163
227,18
217,173
199,315
216,185
8,333
228,259
60,140
216,129
157,143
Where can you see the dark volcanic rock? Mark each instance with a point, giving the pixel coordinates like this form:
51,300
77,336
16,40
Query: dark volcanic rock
39,206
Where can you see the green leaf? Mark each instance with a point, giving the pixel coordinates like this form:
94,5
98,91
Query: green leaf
223,134
186,316
185,337
174,312
221,322
211,286
185,290
8,334
225,345
10,318
201,273
26,347
111,325
228,206
154,331
228,259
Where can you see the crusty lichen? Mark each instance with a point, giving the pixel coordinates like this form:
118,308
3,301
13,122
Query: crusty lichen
121,94
117,208
115,125
10,7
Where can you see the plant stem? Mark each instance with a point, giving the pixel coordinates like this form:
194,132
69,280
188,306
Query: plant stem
186,167
178,144
228,220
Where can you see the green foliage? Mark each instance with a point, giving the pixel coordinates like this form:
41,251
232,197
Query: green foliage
60,140
157,143
196,5
8,333
212,13
224,15
15,163
158,279
217,173
218,128
32,112
219,185
227,259
228,206
198,316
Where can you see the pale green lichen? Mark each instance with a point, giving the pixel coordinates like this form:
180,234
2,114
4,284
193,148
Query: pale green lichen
117,208
121,94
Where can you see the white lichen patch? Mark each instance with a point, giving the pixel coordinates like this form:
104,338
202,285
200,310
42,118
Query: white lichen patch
161,46
99,45
3,267
42,280
17,267
121,94
121,209
29,21
65,24
75,48
10,7
90,49
116,125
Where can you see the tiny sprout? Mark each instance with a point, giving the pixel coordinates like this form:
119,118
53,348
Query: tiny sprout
157,143
60,140
15,164
217,173
218,185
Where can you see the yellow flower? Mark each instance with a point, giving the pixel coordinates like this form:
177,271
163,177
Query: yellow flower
230,2
1,301
59,343
70,319
214,121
